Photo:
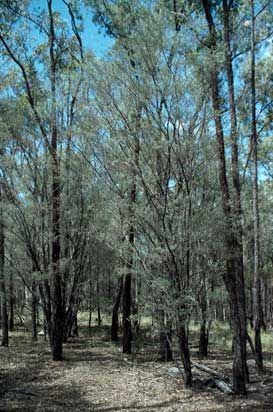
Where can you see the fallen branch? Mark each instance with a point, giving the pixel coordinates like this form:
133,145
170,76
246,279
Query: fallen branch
210,371
219,380
24,391
223,386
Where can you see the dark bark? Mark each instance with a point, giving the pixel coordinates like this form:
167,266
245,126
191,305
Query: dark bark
165,339
185,353
90,305
251,319
203,339
57,301
204,328
114,326
127,292
234,277
68,325
11,304
75,328
166,354
127,327
4,309
34,312
45,294
71,321
98,304
257,297
136,323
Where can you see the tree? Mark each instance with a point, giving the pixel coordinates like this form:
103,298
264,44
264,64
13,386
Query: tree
233,277
49,128
4,308
257,298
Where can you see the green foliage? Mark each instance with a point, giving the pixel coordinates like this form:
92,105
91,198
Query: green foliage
140,117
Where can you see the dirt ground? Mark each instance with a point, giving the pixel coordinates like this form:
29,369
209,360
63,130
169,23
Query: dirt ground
96,377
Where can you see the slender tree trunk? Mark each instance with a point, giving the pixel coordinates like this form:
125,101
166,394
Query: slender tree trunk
165,339
34,311
4,309
251,309
11,304
127,292
185,353
127,285
45,294
127,327
204,328
114,327
166,354
203,338
135,306
57,309
98,298
58,312
90,305
234,276
75,328
257,296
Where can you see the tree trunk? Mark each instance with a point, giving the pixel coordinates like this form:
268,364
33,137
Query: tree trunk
11,304
34,311
127,327
204,329
57,307
75,328
165,339
127,298
251,310
45,294
234,277
114,327
136,323
57,301
166,354
203,338
257,297
4,309
185,353
90,305
98,305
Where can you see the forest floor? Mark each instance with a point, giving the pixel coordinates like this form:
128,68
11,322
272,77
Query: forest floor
96,377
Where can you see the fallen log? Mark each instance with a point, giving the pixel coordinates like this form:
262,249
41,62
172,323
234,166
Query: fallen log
210,371
223,386
219,380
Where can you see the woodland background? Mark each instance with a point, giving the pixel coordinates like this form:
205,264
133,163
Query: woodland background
137,184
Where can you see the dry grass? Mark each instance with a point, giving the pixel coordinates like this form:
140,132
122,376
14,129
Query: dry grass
95,376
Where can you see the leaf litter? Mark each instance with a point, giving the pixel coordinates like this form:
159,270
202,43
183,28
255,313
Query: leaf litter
95,376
